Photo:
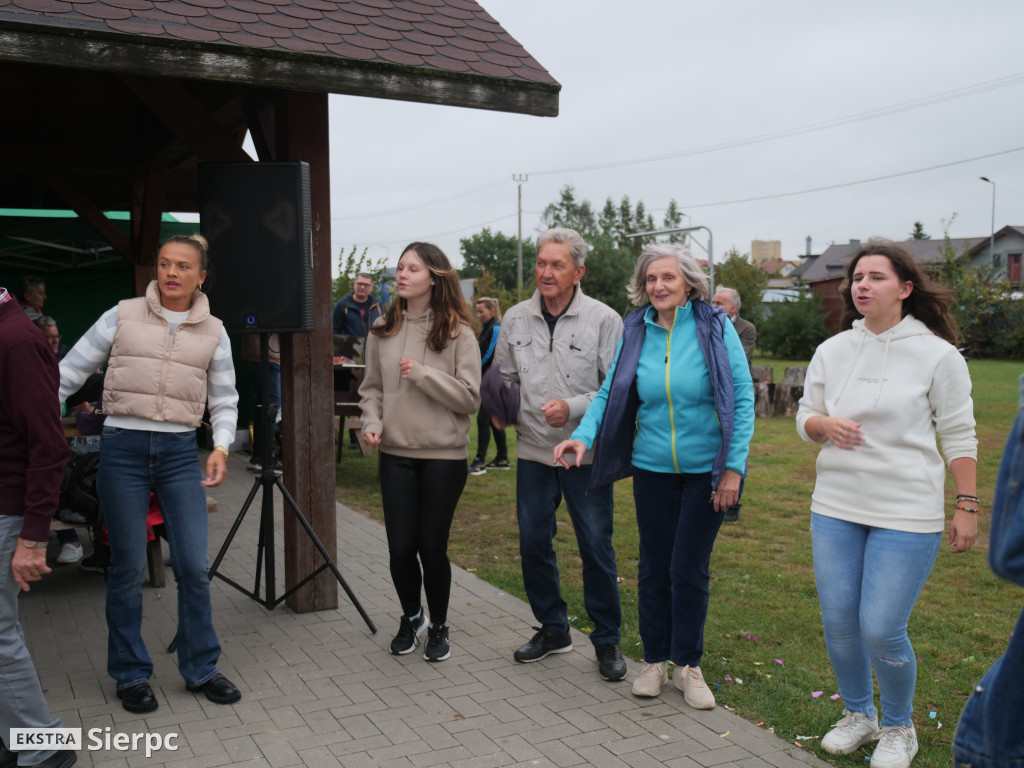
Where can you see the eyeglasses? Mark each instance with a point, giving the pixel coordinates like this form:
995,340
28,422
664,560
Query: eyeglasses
52,337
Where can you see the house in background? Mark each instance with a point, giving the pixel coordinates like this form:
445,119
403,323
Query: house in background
1004,257
825,275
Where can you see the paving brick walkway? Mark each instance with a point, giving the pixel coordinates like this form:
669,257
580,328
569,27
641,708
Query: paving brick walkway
320,690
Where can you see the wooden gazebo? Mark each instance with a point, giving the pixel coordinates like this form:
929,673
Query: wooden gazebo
111,104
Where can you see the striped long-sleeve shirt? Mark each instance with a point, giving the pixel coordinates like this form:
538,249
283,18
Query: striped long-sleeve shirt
94,347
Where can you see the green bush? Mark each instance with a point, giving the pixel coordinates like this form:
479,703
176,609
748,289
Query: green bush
794,329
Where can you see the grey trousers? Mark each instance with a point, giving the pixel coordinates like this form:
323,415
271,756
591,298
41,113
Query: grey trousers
22,704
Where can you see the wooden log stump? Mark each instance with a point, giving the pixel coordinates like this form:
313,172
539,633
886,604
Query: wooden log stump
789,392
764,390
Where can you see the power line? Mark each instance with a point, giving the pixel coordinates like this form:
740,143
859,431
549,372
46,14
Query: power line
472,227
956,93
436,201
848,183
925,101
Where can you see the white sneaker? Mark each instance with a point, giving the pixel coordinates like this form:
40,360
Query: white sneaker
897,746
70,553
696,693
650,679
852,731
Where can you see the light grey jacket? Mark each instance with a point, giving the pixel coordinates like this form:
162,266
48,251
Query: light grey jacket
569,365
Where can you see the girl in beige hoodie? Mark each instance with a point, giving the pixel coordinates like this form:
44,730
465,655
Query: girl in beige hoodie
421,385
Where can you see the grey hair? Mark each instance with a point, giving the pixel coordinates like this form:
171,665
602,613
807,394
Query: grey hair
688,268
44,322
30,283
367,275
564,235
732,293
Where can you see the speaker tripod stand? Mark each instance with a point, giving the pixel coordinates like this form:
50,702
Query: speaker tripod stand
267,481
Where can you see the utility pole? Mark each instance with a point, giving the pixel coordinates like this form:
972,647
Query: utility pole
519,178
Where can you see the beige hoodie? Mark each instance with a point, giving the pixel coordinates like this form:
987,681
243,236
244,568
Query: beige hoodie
427,414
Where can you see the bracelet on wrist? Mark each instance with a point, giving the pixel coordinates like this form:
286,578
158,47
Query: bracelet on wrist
967,497
972,510
222,449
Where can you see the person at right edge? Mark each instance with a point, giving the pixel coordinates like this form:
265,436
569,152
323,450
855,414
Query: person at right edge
877,395
989,734
677,413
558,346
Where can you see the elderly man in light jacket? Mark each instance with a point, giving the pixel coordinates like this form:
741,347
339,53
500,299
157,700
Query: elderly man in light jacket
558,346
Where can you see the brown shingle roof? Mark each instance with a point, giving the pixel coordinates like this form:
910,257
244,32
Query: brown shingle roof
456,36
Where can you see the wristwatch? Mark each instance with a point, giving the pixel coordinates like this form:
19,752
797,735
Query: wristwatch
31,544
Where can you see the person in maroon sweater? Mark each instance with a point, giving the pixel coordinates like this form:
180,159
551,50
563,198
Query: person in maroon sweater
32,455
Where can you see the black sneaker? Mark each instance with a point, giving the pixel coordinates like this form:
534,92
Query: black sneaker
98,561
542,644
499,464
610,663
478,467
437,648
407,638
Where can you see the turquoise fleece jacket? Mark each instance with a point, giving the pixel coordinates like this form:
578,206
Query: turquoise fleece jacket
677,426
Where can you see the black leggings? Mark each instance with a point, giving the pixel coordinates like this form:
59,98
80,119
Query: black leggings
419,498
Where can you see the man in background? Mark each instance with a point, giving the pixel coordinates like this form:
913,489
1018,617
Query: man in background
355,315
729,300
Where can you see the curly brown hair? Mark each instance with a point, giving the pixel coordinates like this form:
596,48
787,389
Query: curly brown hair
928,301
446,300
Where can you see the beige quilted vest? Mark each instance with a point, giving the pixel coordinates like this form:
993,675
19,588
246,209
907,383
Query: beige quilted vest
150,379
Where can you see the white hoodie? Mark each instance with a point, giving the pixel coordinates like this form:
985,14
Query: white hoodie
904,387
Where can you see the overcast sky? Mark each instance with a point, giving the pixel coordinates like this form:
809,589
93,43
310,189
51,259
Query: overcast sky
846,91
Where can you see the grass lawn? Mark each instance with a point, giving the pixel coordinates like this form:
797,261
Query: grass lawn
764,652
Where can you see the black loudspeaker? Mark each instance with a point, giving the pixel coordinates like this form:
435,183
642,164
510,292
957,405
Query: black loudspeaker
256,217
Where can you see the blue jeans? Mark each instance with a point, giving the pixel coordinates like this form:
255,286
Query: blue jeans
259,426
677,525
989,732
133,464
539,491
22,704
868,580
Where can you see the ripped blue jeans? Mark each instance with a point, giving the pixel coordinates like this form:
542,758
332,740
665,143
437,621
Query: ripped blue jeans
868,581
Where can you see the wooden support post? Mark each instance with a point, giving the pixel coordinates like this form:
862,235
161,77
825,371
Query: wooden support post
307,383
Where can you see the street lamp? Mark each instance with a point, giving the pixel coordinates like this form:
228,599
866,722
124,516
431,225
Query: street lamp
992,237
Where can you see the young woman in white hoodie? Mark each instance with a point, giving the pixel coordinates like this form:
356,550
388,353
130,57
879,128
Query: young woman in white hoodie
420,387
877,396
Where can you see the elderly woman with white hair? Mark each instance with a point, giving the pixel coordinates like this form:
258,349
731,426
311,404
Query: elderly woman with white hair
677,413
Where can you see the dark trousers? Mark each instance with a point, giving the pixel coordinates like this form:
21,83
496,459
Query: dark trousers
677,525
539,490
419,497
484,428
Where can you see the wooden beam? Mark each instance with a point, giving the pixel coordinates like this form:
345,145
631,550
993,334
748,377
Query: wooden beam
274,69
260,116
188,119
70,156
89,213
307,391
147,213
